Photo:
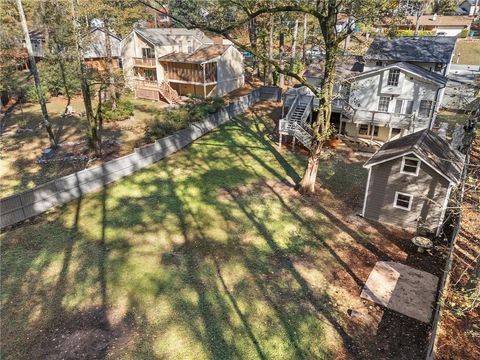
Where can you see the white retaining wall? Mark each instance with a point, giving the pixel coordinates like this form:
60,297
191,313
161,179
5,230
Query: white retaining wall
19,207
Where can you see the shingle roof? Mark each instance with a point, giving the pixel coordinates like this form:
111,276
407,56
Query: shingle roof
167,36
429,147
205,53
436,49
411,68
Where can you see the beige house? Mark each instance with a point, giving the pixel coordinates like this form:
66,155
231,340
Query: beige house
161,64
410,180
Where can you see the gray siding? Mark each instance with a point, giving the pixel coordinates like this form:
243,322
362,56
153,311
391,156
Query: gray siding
428,189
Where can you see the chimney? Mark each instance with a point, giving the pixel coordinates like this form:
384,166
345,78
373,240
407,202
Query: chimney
434,18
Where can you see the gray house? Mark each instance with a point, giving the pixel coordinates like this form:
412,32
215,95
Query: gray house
410,180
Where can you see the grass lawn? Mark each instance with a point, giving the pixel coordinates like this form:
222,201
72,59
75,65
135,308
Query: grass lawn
469,52
209,254
24,139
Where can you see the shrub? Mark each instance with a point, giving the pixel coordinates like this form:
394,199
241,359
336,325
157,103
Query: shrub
169,121
399,33
32,96
464,33
123,110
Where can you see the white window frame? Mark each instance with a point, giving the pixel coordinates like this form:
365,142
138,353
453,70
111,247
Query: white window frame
402,207
393,77
403,164
389,99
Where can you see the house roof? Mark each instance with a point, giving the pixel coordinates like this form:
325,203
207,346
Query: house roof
202,54
428,147
167,36
437,49
440,20
346,66
95,48
412,69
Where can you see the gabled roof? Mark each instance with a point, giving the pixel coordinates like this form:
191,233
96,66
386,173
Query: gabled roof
428,147
167,36
202,54
435,49
412,69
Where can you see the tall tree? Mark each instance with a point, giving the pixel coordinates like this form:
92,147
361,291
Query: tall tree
212,16
36,76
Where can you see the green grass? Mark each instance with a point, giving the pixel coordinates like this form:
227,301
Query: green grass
469,52
200,256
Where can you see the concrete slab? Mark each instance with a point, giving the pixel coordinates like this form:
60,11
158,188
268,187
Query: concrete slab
402,288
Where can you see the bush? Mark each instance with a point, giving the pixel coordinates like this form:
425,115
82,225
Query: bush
32,96
170,121
123,110
399,33
464,33
50,72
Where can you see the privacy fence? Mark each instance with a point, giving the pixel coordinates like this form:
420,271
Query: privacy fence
19,207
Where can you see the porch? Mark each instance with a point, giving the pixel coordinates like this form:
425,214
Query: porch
197,79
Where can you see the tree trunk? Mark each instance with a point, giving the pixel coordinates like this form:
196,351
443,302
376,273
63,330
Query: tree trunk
270,51
304,44
85,86
36,76
321,126
108,47
252,34
281,52
293,52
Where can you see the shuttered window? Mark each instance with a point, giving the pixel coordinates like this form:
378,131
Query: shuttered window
403,201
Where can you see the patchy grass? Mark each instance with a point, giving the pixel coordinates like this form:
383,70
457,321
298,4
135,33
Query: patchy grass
467,51
207,254
24,139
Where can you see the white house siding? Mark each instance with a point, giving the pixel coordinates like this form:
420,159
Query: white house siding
451,30
430,66
230,71
365,92
428,189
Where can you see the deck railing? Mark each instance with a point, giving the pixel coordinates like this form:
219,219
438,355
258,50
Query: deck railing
147,62
146,83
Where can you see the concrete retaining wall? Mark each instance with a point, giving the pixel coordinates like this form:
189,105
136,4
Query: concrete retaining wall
19,207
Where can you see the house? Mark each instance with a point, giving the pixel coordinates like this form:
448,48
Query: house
95,53
469,7
37,38
167,62
400,89
441,25
410,180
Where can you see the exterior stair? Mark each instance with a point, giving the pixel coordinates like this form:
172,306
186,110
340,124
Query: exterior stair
169,94
295,122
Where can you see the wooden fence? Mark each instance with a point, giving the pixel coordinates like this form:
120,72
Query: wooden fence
24,205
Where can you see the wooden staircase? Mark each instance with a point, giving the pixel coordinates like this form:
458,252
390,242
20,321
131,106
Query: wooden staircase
169,94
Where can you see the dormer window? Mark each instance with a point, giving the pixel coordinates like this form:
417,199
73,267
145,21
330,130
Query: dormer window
393,77
410,166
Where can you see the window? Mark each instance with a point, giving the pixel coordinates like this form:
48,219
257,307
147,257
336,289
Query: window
398,106
410,165
383,103
375,130
150,75
393,77
409,107
425,108
403,201
396,131
378,63
190,46
148,53
363,130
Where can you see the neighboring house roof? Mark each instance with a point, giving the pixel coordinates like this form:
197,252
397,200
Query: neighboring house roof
37,35
346,67
96,48
437,49
412,69
202,54
166,36
428,147
440,20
